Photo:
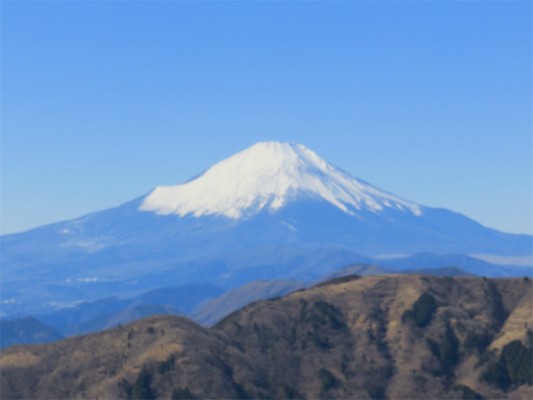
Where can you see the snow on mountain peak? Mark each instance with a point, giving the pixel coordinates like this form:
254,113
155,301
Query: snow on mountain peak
269,174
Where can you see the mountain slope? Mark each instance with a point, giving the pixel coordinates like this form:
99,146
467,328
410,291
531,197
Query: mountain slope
398,336
129,314
230,301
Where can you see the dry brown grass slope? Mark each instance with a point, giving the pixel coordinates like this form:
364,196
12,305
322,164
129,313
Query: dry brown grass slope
394,336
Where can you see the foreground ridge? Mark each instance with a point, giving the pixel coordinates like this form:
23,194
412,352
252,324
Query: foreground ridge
375,337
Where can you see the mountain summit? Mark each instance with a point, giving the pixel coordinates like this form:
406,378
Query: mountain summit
270,174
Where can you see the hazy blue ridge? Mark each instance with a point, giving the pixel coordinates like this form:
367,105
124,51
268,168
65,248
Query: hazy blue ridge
92,316
470,264
24,331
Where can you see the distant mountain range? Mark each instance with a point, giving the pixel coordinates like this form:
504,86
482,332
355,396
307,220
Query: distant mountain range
274,211
376,337
110,312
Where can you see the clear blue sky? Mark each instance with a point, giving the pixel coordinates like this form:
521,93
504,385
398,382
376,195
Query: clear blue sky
103,101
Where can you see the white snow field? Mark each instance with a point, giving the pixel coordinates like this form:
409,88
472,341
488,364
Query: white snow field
270,174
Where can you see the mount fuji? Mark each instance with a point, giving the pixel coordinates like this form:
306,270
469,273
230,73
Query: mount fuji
272,211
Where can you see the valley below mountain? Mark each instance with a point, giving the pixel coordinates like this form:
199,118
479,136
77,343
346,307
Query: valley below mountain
384,336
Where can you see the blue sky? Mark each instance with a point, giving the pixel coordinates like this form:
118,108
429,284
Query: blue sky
103,101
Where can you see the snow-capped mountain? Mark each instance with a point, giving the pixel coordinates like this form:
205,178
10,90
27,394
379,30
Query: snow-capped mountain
272,211
270,175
